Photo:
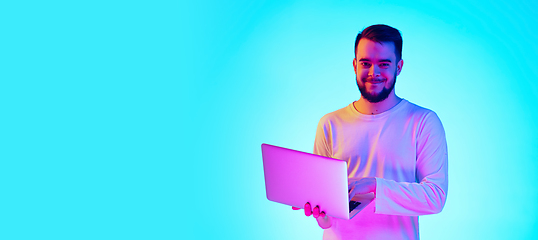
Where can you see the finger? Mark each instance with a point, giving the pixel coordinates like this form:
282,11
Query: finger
316,212
307,209
350,184
295,208
350,187
322,214
351,193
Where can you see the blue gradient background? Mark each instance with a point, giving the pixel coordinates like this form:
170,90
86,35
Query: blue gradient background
143,120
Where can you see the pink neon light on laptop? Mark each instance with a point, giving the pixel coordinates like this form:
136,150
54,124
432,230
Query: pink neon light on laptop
295,178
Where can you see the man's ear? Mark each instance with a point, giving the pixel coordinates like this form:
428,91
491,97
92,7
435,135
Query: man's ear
399,67
355,65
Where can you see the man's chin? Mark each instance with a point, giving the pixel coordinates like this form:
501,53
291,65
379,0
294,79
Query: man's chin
375,97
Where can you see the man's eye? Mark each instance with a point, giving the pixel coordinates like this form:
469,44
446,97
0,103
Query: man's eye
384,65
365,64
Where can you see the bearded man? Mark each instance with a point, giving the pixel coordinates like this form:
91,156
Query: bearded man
394,148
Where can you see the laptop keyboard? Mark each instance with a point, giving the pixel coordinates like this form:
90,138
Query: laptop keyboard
353,205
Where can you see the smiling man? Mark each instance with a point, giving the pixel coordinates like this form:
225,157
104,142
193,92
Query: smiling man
394,149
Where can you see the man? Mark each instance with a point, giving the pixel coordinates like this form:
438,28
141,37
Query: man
394,149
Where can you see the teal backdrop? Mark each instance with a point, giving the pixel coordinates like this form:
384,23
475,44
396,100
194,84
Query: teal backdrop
144,119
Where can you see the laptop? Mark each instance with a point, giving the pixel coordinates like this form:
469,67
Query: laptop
295,178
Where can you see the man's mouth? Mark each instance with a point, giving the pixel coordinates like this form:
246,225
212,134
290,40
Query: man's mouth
374,81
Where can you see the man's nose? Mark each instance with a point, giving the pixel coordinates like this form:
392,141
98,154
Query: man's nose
374,71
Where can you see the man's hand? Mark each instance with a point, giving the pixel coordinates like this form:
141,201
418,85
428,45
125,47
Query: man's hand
324,221
361,186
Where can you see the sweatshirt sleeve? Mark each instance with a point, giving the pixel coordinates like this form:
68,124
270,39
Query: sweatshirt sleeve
428,194
321,143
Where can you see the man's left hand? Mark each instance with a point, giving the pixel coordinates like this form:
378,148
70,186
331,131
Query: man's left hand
361,186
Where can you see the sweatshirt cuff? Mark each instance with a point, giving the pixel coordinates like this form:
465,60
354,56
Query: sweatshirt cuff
380,197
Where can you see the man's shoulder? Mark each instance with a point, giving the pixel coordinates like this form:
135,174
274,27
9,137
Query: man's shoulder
342,113
415,109
423,116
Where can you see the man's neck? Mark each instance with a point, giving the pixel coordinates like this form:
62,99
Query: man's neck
365,107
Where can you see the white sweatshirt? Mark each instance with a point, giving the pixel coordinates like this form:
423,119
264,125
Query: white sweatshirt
405,149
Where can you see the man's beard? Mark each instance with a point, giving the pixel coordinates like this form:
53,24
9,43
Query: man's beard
375,98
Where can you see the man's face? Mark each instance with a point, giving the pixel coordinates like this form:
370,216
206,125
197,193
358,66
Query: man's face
376,69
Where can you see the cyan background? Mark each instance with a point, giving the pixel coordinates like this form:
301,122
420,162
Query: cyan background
144,119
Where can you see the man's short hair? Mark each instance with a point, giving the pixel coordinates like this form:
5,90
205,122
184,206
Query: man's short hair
382,33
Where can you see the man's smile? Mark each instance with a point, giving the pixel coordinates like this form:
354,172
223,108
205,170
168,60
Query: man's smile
375,81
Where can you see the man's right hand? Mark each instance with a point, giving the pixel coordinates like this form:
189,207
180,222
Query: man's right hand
324,221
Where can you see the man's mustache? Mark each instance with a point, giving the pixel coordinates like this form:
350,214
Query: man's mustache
374,80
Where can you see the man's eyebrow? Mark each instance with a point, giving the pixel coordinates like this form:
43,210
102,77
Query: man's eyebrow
368,60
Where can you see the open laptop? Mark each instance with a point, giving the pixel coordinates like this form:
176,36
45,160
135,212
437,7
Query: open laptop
295,178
